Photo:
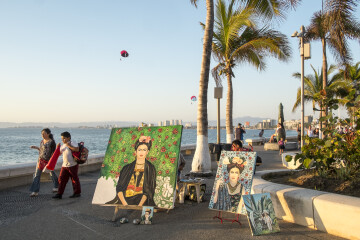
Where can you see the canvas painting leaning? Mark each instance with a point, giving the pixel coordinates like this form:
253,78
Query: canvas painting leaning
261,214
233,179
147,215
140,167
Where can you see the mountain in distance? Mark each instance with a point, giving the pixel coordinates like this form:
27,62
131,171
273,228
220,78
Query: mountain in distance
67,125
242,120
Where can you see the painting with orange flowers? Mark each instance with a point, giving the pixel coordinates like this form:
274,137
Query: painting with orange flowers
233,179
140,167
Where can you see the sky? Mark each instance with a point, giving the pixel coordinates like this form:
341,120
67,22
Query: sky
60,62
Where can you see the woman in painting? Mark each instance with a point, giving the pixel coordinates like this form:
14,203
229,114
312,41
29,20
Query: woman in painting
137,180
227,195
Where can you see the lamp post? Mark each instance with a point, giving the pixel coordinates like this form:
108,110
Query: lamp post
305,54
218,95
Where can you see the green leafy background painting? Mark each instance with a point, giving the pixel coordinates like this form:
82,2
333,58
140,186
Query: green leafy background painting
164,155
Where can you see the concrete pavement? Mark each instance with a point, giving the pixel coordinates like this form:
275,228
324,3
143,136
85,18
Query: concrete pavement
22,217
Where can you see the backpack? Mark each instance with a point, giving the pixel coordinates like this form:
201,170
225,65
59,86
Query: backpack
81,156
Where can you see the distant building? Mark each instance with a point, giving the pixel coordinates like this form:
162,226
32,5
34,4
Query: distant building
166,123
159,124
247,124
188,125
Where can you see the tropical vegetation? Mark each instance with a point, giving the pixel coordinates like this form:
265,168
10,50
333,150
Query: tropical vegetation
267,9
238,39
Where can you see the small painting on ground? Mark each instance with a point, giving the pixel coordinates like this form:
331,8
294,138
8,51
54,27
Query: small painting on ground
140,167
233,179
261,214
147,215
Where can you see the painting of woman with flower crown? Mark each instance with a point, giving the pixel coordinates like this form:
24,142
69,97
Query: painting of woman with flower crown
140,167
233,178
137,181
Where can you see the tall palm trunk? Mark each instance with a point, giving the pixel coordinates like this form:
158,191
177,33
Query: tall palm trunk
201,162
325,77
229,109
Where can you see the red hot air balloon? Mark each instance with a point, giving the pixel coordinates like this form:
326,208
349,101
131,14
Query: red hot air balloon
193,99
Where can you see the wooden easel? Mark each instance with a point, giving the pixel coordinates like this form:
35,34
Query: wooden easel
219,216
130,207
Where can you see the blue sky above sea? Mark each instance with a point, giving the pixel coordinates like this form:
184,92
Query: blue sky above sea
60,62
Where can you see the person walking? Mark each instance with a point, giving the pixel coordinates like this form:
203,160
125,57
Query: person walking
46,149
69,167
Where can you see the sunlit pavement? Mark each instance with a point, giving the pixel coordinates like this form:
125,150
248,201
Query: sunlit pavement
22,217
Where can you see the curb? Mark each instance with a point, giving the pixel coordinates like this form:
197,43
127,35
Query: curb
335,214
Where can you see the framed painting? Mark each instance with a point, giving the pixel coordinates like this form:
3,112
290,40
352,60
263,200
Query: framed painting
140,167
261,214
233,179
147,215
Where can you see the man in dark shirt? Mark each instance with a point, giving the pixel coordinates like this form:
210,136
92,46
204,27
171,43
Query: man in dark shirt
239,132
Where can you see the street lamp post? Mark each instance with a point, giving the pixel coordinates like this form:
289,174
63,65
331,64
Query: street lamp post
305,54
218,95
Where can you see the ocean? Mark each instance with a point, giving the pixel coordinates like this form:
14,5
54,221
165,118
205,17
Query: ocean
15,142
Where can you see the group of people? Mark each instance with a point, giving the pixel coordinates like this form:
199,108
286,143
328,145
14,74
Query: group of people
69,167
279,136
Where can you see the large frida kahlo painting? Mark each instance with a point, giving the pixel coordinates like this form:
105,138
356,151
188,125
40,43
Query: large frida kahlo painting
261,214
233,179
140,167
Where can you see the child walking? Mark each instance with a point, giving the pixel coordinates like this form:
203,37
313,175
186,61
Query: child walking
281,146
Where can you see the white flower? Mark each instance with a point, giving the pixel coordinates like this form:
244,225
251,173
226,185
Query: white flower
167,190
226,160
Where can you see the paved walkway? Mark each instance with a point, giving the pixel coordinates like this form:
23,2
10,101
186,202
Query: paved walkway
22,217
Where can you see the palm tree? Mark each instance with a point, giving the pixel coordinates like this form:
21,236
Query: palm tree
334,27
201,161
237,40
267,8
351,75
313,88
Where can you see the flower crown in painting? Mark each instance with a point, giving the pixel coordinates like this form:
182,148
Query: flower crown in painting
145,139
236,160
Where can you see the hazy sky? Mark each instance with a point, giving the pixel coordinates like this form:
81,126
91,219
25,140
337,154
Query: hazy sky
60,61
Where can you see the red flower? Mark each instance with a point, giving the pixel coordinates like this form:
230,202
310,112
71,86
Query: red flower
246,182
156,146
166,156
166,137
125,161
167,171
250,168
141,134
117,151
102,165
119,131
172,160
119,167
131,132
246,193
153,159
217,176
160,130
175,142
169,145
163,149
123,149
139,129
117,174
132,145
152,139
149,129
121,139
134,154
249,158
159,172
246,175
133,137
242,179
163,162
175,131
109,142
220,166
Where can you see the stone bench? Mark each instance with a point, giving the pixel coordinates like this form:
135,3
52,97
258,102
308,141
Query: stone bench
291,146
271,146
256,141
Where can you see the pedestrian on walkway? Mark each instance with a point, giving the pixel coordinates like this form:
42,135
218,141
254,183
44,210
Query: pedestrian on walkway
46,149
69,167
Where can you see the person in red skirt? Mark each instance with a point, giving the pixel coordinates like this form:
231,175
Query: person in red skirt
69,167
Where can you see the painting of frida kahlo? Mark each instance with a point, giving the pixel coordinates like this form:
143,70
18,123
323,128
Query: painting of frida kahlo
233,179
140,167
